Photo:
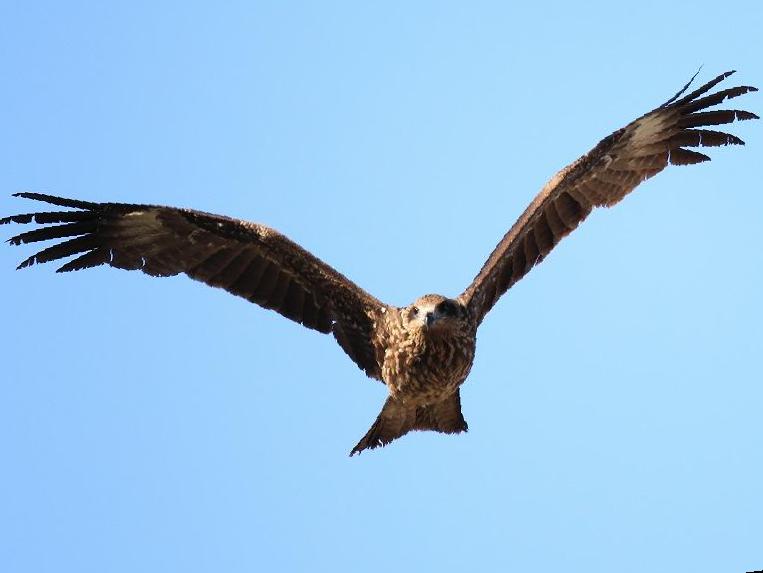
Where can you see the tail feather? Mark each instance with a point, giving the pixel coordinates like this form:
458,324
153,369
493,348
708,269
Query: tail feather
397,419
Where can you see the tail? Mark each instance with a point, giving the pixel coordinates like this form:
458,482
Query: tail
397,419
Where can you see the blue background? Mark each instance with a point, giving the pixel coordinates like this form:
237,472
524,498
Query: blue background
160,425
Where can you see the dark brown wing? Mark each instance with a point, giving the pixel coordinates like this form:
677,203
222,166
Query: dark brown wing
603,177
246,259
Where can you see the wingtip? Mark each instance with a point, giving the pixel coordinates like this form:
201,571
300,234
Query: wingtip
725,75
56,200
26,263
26,195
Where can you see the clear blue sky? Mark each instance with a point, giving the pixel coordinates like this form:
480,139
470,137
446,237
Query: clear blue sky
159,425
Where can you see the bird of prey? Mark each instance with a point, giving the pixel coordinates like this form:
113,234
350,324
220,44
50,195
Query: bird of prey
422,352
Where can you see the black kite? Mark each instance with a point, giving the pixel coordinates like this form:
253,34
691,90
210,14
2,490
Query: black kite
423,352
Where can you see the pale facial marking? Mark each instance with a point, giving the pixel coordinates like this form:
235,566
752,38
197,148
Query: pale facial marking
433,313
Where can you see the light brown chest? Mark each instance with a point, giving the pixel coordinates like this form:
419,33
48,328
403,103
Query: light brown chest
426,370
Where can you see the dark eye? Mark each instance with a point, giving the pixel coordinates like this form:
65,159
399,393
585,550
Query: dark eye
448,308
414,311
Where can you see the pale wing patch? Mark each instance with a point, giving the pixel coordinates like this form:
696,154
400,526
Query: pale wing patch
140,228
650,132
648,128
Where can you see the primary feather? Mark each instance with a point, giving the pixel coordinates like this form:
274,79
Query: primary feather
601,178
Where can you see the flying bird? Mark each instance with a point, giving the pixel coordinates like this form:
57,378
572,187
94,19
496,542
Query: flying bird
422,352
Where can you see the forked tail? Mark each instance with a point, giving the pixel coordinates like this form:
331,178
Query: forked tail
397,419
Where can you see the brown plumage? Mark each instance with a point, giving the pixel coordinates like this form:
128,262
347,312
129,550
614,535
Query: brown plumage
422,352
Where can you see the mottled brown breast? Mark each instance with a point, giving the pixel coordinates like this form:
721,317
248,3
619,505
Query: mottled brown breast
423,367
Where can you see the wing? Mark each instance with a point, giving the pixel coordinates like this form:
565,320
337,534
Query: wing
249,260
603,177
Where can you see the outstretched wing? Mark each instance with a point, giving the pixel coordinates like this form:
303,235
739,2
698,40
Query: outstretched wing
603,177
246,259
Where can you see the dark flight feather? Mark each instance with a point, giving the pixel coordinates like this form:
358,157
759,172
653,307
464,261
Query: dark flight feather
249,260
603,177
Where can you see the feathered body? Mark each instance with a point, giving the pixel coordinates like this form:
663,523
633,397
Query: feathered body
422,352
424,363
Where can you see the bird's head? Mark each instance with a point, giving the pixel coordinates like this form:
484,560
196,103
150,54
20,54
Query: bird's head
435,314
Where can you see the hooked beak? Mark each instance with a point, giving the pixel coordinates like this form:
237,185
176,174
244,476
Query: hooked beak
431,318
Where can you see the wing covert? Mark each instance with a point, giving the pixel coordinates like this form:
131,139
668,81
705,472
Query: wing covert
246,259
601,178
